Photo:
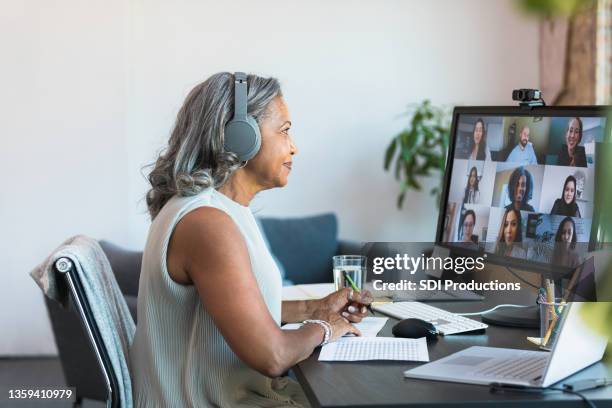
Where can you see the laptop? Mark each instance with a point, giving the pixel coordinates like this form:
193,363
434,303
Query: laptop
577,346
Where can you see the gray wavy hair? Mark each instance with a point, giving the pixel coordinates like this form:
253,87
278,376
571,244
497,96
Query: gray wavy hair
195,158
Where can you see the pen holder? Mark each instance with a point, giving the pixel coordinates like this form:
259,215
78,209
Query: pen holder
551,316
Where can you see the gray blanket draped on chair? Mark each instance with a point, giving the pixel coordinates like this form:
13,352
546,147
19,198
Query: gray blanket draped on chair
106,301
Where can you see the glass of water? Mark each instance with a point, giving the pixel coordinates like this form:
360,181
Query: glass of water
349,271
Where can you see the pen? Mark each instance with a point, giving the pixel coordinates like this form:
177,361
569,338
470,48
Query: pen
356,289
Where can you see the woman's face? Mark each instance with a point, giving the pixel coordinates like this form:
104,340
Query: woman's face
572,136
472,179
510,227
271,166
520,189
567,232
569,191
468,228
478,131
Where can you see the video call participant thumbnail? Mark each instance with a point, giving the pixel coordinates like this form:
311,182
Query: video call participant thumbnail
478,149
566,233
520,190
565,244
467,223
566,205
523,152
571,153
472,193
510,233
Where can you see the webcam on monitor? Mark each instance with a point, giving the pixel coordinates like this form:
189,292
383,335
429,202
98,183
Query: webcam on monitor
528,97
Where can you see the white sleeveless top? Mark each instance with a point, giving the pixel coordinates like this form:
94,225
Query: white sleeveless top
178,357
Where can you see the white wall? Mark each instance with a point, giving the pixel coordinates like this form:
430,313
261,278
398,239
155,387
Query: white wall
91,92
63,157
348,70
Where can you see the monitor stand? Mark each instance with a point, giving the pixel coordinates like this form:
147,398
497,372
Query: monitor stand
525,317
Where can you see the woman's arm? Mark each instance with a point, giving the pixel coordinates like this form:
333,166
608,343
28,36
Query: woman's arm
294,311
348,303
208,251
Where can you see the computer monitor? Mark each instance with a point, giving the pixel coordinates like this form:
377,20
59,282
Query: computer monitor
520,185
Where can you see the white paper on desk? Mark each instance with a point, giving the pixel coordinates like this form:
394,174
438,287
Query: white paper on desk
368,326
375,348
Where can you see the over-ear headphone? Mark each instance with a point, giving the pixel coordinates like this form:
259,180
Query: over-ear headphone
242,135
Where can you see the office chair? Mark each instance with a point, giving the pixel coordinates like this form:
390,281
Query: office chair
79,301
79,360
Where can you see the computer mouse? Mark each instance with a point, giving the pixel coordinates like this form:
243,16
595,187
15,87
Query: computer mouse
415,329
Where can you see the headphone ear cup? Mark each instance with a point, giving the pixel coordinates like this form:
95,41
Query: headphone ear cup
243,138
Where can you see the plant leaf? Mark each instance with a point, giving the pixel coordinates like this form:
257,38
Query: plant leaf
390,152
422,147
402,194
398,168
400,200
407,155
412,182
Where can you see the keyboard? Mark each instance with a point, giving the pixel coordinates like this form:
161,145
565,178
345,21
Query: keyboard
445,322
524,368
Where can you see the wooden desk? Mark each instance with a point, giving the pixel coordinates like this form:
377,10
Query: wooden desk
381,384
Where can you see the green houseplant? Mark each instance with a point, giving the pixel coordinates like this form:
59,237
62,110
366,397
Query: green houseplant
420,149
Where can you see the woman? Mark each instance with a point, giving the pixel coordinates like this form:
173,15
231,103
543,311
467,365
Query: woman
510,233
520,190
566,205
565,244
209,304
472,193
466,228
478,142
571,154
566,233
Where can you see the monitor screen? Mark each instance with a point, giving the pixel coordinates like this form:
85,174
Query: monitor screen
520,184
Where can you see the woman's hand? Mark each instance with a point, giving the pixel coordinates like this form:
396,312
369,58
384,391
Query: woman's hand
339,325
346,302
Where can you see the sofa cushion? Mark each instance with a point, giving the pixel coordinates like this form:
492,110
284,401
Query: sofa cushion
305,246
279,264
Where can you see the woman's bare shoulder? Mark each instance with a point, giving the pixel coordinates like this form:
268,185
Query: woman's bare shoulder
200,237
209,217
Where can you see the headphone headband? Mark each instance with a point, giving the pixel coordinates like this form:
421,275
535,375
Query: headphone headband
240,95
242,135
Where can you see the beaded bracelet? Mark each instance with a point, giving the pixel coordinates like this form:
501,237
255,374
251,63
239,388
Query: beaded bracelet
326,328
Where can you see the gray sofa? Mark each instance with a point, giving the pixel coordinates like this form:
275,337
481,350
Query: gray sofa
302,246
